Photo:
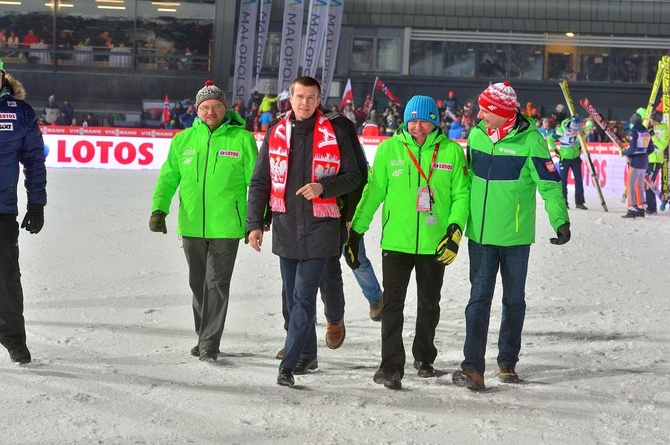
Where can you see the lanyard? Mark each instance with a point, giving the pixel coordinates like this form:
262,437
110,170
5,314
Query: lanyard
418,167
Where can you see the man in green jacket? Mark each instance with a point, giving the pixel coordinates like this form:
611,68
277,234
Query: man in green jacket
421,177
211,164
570,151
509,162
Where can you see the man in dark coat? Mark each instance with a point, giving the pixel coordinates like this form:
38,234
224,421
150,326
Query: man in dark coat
305,162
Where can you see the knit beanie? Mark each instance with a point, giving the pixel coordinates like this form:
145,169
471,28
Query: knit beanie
422,107
635,119
499,99
209,91
657,116
575,124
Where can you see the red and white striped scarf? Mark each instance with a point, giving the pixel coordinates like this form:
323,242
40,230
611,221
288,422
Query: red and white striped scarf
325,162
497,134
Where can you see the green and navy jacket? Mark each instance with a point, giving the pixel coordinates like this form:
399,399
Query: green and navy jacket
505,178
395,181
212,170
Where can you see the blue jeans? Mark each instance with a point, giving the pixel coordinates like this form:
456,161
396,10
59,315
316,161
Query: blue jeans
365,276
576,166
300,280
485,261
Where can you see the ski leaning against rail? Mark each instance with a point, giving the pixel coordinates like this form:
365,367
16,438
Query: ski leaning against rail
582,142
598,119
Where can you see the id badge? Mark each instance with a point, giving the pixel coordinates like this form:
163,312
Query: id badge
424,202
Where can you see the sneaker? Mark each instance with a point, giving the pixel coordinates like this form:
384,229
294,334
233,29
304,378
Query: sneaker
208,355
663,205
506,374
639,212
376,310
425,369
20,355
195,351
280,354
305,365
469,378
335,333
389,378
285,377
650,212
581,206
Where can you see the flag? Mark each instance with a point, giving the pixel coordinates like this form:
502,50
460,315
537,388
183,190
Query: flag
348,95
166,110
379,85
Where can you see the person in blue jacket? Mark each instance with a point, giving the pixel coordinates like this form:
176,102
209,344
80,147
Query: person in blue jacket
20,143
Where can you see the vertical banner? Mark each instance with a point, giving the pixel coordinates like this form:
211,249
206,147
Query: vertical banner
263,25
290,43
317,24
335,12
244,53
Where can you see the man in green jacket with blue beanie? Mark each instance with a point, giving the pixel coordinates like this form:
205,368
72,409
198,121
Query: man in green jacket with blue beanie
509,162
211,164
421,177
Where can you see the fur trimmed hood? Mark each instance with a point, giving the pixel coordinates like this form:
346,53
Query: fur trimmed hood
13,87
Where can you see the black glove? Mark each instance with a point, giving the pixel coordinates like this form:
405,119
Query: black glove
563,234
447,249
34,219
351,250
157,222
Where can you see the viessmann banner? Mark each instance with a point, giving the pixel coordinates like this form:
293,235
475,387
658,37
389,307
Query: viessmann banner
137,149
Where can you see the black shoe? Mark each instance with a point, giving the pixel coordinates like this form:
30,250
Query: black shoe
630,214
425,369
305,365
20,354
639,212
389,378
208,355
195,351
285,377
582,207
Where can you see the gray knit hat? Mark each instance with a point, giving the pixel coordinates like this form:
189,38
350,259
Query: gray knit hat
209,91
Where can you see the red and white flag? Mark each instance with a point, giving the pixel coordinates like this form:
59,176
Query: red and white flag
348,95
379,85
166,110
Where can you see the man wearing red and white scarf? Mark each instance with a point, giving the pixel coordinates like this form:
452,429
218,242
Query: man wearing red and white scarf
305,162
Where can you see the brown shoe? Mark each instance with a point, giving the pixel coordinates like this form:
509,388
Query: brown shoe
280,354
507,374
335,333
469,378
376,310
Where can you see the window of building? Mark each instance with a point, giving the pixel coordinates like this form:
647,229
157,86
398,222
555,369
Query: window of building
375,54
626,65
430,58
594,64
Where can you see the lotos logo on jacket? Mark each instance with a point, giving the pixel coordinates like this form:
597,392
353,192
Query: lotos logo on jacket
229,153
9,116
443,166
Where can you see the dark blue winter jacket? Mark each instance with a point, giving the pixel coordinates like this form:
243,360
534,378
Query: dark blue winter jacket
20,142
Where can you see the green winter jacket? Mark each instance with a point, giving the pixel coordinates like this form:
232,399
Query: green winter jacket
570,147
212,171
660,138
505,178
395,181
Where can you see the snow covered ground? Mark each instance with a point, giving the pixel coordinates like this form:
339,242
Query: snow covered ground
109,325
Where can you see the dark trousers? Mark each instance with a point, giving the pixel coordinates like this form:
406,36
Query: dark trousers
396,270
485,261
576,166
12,323
300,280
652,170
331,288
210,268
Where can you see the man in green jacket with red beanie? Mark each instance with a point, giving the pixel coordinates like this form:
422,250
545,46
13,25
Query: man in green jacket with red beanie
509,162
421,177
211,164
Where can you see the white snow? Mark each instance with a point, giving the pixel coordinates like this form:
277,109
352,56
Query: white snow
109,323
